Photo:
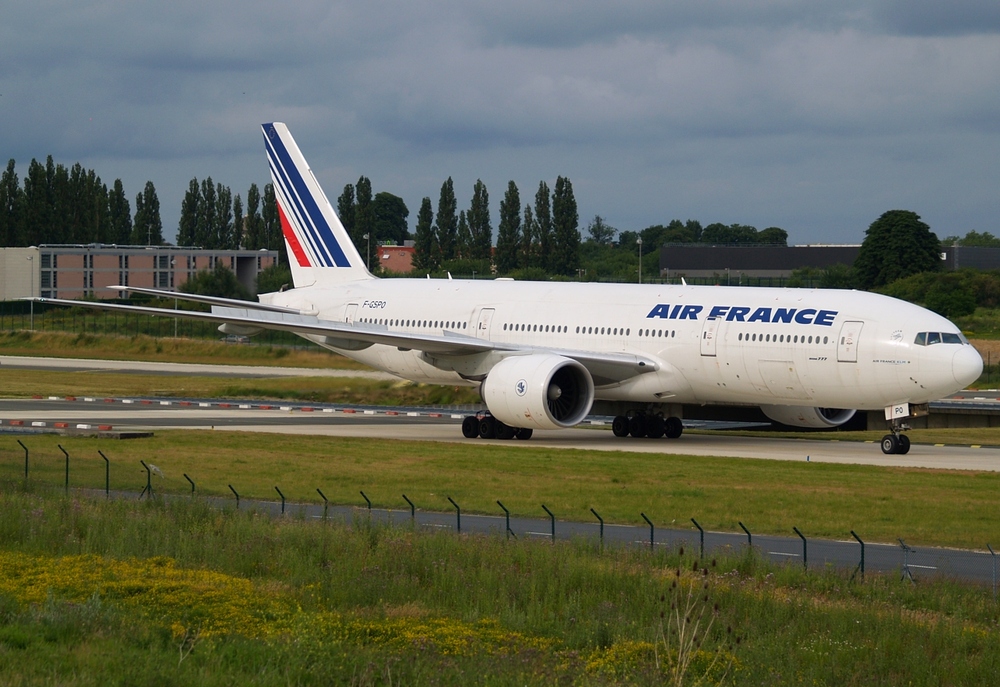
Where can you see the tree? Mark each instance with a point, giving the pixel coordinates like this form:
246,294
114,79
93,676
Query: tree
950,297
273,238
447,221
565,234
35,207
463,240
390,213
364,218
509,231
974,238
600,232
480,227
735,234
187,227
207,233
219,282
425,253
272,278
120,214
236,237
147,228
529,234
10,207
773,235
254,231
543,227
896,245
223,216
346,209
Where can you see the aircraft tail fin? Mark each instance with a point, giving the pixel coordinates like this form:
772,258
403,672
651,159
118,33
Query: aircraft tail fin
319,248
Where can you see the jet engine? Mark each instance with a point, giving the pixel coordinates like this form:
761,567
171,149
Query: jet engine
813,418
539,391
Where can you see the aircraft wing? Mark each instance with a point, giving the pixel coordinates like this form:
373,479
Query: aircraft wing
605,368
210,300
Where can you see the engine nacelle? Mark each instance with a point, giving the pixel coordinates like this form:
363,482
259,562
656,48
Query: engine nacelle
541,391
803,416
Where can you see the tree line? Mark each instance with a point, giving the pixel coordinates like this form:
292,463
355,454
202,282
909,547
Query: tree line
212,217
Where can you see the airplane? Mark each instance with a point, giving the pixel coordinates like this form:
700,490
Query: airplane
545,355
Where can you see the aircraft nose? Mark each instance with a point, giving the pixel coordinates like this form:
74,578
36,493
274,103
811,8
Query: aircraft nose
967,365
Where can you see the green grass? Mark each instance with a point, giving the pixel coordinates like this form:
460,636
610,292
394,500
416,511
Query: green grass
310,603
926,507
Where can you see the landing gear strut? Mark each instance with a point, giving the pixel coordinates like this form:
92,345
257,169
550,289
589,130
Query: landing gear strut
486,426
896,442
650,425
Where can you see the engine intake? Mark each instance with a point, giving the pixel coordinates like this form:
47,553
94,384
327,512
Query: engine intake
540,391
804,416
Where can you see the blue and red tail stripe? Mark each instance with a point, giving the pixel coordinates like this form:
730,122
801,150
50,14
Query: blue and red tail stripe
302,218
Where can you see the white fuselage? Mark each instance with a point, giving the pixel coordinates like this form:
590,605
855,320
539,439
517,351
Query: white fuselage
754,346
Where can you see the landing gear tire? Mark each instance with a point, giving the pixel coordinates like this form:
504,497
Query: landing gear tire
524,433
619,426
470,427
674,427
891,444
656,427
488,428
904,445
637,426
504,431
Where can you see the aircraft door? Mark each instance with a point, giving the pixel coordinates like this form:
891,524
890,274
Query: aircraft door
483,325
709,332
847,345
350,313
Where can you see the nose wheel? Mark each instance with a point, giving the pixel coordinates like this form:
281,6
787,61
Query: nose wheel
896,443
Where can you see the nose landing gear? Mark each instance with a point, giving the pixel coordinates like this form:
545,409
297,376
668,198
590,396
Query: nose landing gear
896,442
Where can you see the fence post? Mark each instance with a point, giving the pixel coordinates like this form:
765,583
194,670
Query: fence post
805,559
861,565
325,502
67,466
149,480
507,514
107,475
367,501
282,499
25,459
602,525
701,554
993,553
553,519
650,523
236,495
458,512
413,509
749,536
191,481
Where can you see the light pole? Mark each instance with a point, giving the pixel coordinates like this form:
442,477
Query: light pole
639,241
31,288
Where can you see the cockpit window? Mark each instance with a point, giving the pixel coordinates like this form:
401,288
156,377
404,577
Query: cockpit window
930,338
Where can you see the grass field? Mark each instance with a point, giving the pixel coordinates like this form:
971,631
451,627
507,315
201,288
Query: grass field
150,593
926,507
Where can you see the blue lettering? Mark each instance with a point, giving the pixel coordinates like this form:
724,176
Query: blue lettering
737,314
783,315
761,315
805,316
662,311
718,311
690,312
825,317
676,311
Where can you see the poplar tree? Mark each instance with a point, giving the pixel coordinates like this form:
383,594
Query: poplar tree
236,238
529,254
223,217
447,221
346,209
565,232
120,214
424,244
364,219
463,240
187,227
36,207
10,207
147,228
509,231
207,231
254,223
480,229
543,227
273,239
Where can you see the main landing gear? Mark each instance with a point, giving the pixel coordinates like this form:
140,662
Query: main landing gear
488,427
652,426
896,442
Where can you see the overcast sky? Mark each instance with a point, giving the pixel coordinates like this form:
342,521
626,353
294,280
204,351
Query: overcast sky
812,116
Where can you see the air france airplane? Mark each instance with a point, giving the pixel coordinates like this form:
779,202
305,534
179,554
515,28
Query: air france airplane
545,355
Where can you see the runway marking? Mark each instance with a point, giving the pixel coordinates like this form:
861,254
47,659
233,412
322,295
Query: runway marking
782,553
922,567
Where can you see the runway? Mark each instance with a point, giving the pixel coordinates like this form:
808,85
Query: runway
444,425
